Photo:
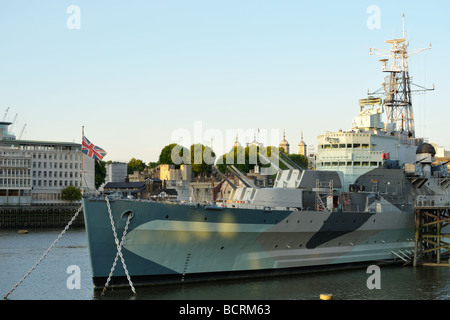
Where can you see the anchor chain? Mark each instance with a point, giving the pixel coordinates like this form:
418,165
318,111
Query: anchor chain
119,251
46,252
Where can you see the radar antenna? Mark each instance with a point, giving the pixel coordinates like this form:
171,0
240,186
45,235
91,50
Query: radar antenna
397,84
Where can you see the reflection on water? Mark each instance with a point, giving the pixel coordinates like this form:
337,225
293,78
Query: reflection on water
19,252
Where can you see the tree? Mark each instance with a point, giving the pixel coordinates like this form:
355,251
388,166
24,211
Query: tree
236,157
71,193
244,159
180,155
152,165
299,159
100,173
135,165
202,158
165,155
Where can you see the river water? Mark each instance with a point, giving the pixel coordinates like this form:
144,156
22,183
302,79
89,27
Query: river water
53,278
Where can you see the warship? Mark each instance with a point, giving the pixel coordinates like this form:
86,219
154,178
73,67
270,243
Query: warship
355,208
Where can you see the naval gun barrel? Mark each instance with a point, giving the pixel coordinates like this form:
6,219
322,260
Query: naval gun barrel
242,177
224,177
270,161
292,163
284,159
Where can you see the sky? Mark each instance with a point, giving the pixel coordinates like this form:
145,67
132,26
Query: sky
139,75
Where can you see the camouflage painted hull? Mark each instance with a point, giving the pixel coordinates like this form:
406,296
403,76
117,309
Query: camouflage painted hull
169,243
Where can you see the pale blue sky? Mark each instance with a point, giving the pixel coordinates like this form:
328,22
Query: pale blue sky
137,71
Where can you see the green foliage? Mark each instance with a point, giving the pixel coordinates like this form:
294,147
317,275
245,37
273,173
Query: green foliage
71,193
299,159
180,155
135,165
152,165
202,158
165,157
100,173
236,157
246,158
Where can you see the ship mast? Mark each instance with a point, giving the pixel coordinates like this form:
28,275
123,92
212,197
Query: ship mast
397,84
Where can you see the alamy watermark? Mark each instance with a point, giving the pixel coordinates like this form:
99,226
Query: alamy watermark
74,20
223,142
374,20
374,281
74,280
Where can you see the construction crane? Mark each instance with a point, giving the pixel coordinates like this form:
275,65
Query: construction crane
21,132
6,113
13,123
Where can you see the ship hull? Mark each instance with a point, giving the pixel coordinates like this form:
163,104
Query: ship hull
172,243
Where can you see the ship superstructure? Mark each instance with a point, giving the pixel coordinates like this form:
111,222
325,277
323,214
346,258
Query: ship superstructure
357,207
372,143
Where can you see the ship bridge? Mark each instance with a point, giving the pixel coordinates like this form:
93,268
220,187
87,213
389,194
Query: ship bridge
370,144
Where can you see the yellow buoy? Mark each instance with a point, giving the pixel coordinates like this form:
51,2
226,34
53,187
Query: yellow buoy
325,296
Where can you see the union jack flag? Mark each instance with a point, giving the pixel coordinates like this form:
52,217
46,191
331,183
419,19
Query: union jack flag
91,150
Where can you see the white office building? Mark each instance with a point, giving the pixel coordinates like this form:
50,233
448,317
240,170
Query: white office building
116,172
35,172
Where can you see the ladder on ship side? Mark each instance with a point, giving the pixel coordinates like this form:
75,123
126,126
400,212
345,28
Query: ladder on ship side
406,256
346,201
324,195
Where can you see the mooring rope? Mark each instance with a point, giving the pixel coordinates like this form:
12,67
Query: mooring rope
119,250
46,252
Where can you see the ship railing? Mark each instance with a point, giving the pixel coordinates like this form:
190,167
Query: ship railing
431,201
404,139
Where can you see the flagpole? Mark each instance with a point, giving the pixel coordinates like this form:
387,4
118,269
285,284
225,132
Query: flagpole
82,136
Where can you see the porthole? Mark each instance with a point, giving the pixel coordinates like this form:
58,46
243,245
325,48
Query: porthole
127,213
